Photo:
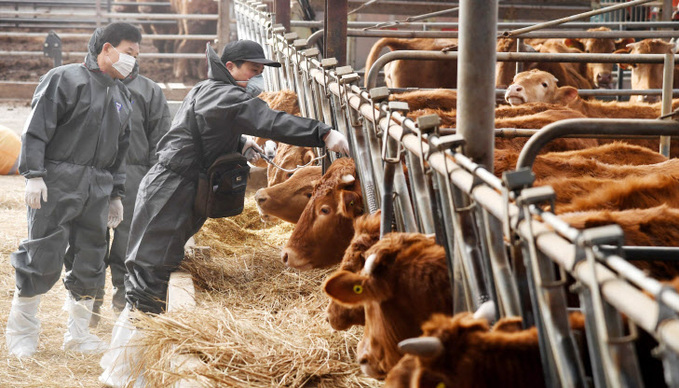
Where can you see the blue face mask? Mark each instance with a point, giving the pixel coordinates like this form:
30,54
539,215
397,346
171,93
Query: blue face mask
255,85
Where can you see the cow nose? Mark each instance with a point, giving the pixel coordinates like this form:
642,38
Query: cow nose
603,78
284,256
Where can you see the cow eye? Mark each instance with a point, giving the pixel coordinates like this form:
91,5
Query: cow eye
308,195
325,210
289,174
544,84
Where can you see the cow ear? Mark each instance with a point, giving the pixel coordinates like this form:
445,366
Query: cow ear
350,204
574,43
308,157
566,94
623,43
347,288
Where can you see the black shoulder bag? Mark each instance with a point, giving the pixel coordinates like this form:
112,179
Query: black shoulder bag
221,186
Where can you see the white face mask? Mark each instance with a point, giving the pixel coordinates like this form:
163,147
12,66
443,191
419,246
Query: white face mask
255,85
125,63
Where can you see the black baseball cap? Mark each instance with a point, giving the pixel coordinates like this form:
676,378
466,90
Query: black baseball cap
246,50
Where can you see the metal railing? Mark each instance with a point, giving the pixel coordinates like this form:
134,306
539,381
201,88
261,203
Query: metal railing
500,242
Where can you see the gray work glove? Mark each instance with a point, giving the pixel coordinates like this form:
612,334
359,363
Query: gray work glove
35,189
115,212
251,150
335,141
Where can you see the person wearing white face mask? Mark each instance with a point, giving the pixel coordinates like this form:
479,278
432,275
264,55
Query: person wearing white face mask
72,156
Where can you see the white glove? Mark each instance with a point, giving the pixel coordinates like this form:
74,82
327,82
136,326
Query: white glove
115,212
35,188
250,150
335,141
270,147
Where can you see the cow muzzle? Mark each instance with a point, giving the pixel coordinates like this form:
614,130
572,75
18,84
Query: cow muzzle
604,81
291,258
515,95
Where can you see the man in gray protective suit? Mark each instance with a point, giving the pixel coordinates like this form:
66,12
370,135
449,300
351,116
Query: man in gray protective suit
221,111
73,148
150,121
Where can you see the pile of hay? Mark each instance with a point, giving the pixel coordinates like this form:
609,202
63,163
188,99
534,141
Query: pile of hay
257,323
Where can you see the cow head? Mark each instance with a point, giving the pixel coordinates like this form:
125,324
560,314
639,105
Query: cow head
647,75
325,227
538,86
399,287
600,73
288,157
288,199
366,234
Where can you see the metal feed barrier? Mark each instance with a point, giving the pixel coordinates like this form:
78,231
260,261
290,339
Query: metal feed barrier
501,244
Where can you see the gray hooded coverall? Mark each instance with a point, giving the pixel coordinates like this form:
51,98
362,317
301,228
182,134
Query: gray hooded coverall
76,139
163,217
150,121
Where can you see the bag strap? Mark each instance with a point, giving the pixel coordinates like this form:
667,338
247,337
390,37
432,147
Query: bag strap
196,137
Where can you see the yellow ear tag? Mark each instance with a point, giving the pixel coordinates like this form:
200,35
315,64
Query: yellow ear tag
441,385
358,289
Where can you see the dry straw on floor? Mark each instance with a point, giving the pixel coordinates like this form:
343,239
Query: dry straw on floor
257,323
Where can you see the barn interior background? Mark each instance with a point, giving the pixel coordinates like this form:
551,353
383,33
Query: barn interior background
503,240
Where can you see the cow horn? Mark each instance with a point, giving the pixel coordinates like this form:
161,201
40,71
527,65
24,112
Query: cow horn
486,311
348,178
421,346
369,264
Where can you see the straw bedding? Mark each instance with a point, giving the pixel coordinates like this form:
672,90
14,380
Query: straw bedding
256,323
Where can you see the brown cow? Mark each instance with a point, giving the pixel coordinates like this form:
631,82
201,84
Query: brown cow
574,74
635,192
288,199
657,226
649,75
445,99
599,73
463,351
326,225
541,86
288,157
404,280
158,27
367,233
193,68
284,100
551,165
416,73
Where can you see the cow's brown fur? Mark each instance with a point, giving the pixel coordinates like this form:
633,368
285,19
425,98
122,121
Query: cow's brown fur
415,73
325,227
636,192
474,356
288,157
407,283
444,99
193,68
366,234
649,75
284,100
552,165
288,199
657,226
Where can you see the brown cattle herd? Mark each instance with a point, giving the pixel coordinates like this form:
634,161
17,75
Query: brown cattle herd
397,286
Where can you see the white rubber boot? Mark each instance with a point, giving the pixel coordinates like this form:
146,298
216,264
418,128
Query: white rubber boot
77,337
23,326
123,355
